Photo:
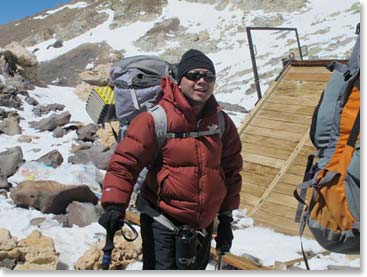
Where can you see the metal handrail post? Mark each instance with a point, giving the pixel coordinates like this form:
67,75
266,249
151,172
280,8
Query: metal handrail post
299,45
253,61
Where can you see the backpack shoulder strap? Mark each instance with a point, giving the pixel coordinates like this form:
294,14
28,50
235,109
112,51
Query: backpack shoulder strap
222,123
160,124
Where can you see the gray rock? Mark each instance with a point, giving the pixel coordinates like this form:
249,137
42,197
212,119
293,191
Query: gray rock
50,196
25,138
10,160
45,109
83,214
99,157
88,132
24,57
51,122
31,101
10,89
20,83
4,184
57,44
53,158
29,67
23,92
8,63
3,114
81,146
59,132
62,218
7,263
10,100
62,266
10,125
37,221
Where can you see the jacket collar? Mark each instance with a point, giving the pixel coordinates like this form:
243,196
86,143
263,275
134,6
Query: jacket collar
172,93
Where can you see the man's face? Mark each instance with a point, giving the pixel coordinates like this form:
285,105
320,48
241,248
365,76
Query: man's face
197,85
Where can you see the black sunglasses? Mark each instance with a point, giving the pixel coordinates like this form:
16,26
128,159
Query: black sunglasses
196,76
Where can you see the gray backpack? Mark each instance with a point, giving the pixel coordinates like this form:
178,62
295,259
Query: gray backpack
137,88
137,84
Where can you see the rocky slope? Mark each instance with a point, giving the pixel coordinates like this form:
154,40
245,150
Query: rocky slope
73,20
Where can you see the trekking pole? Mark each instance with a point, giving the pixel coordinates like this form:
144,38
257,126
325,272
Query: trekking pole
107,250
220,260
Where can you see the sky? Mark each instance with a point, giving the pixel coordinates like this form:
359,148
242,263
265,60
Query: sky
17,9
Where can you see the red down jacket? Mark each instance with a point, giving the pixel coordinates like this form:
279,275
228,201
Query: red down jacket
198,177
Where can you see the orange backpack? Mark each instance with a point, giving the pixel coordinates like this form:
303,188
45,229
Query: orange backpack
330,191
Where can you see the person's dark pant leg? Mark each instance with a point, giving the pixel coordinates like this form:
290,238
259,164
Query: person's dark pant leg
158,245
146,231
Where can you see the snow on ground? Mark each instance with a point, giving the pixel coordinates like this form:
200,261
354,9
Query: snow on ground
71,243
258,241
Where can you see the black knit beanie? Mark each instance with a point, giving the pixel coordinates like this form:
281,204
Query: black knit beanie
193,59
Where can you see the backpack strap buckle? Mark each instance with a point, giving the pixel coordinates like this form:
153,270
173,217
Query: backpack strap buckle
358,28
347,75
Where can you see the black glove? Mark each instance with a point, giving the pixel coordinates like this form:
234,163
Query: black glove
112,219
224,234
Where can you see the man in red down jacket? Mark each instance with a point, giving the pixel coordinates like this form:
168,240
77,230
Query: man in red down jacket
195,180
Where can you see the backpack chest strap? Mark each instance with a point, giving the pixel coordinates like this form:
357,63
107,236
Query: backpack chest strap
193,134
160,122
